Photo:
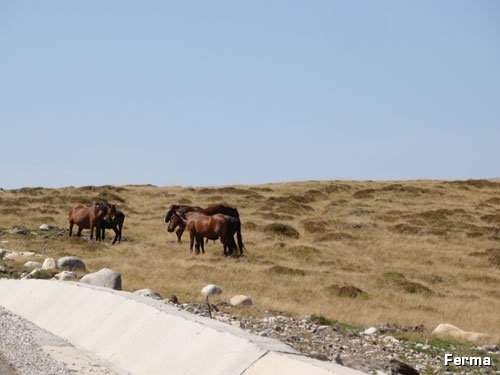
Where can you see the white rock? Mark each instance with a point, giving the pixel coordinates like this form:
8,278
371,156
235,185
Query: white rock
370,331
44,227
447,331
32,264
240,300
49,264
65,275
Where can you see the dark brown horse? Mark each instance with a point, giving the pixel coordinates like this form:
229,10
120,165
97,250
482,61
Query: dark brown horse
90,217
211,210
213,227
116,224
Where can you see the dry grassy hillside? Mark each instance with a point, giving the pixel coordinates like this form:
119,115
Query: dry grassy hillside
361,253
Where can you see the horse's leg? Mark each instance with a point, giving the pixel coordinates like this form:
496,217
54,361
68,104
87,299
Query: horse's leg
71,223
92,230
116,230
232,244
79,233
224,246
98,232
119,235
197,245
179,234
191,239
202,245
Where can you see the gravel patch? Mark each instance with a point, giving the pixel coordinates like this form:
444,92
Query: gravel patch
21,347
26,349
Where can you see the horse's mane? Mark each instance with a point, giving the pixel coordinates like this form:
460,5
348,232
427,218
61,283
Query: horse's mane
182,213
102,206
171,211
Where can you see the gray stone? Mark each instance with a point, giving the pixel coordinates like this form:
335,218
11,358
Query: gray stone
72,263
491,348
105,277
18,229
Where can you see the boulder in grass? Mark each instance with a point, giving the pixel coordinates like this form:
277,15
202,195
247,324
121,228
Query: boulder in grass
49,264
32,264
240,300
105,277
71,263
448,331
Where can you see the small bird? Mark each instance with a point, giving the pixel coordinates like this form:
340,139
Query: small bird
209,290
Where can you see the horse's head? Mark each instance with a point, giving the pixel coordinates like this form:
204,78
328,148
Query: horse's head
170,212
173,222
111,211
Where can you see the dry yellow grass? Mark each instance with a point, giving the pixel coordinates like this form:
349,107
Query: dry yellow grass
421,252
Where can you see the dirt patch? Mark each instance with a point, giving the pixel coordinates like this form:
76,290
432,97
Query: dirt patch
348,291
398,280
280,229
315,226
282,270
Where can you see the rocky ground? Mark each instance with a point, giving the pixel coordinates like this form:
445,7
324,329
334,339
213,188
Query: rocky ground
26,349
372,351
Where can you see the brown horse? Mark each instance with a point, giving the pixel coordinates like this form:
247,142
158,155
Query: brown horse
211,210
116,224
90,217
213,227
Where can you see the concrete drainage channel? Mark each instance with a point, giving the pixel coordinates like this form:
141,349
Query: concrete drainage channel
131,334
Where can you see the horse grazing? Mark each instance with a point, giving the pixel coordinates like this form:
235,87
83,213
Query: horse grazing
116,224
213,227
211,210
90,217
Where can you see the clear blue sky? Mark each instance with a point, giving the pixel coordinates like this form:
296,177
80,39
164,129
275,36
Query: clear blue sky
206,93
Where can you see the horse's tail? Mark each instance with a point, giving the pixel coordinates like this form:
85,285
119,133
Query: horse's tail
230,230
237,229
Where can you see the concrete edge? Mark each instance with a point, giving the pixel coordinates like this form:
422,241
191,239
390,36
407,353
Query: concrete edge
133,334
